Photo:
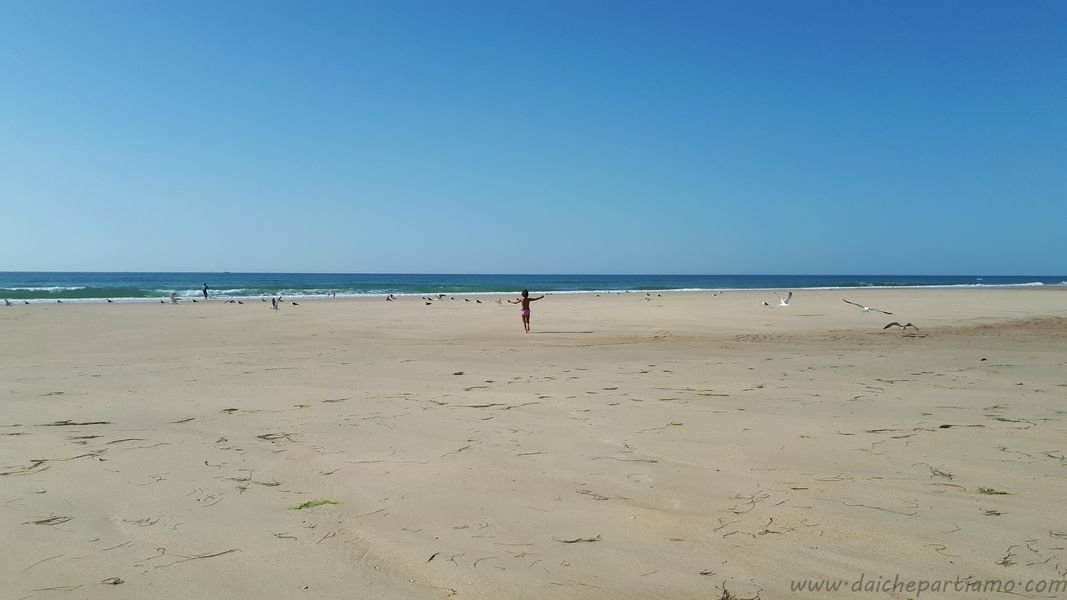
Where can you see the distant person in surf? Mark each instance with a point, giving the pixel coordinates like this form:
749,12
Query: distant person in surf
525,312
205,291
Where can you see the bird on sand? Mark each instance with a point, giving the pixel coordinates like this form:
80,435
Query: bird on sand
109,300
902,327
865,308
295,304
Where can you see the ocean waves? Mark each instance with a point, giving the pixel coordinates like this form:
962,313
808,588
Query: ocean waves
134,287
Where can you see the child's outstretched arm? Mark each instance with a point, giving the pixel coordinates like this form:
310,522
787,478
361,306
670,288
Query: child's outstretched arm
537,298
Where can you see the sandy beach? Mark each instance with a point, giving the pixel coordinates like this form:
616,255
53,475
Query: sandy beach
632,446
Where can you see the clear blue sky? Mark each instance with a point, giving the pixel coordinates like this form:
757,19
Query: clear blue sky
534,137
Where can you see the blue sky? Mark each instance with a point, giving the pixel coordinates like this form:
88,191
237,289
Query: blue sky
534,137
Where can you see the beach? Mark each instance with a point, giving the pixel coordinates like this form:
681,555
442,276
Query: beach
659,445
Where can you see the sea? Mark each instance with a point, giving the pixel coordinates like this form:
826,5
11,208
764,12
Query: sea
142,287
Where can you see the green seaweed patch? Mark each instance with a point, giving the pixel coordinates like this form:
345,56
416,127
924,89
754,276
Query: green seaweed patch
313,503
992,492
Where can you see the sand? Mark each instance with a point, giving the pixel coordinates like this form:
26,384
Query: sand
628,448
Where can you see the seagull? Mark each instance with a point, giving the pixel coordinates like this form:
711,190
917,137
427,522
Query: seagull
902,327
7,302
262,299
784,301
162,302
478,301
25,302
109,300
295,304
466,299
59,301
866,308
765,303
239,302
194,300
429,303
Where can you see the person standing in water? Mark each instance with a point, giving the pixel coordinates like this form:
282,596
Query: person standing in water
205,291
525,312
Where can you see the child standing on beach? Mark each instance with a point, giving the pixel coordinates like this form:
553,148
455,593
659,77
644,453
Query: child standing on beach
525,302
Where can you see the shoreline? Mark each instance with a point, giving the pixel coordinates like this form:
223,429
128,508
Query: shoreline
377,295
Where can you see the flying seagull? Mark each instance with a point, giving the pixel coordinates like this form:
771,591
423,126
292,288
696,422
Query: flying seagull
7,302
784,301
866,308
902,327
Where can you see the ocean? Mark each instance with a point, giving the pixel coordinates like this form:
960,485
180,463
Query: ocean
133,287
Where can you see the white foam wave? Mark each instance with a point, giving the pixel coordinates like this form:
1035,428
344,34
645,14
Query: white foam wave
54,288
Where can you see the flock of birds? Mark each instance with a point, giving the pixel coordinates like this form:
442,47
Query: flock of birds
276,303
863,307
430,299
